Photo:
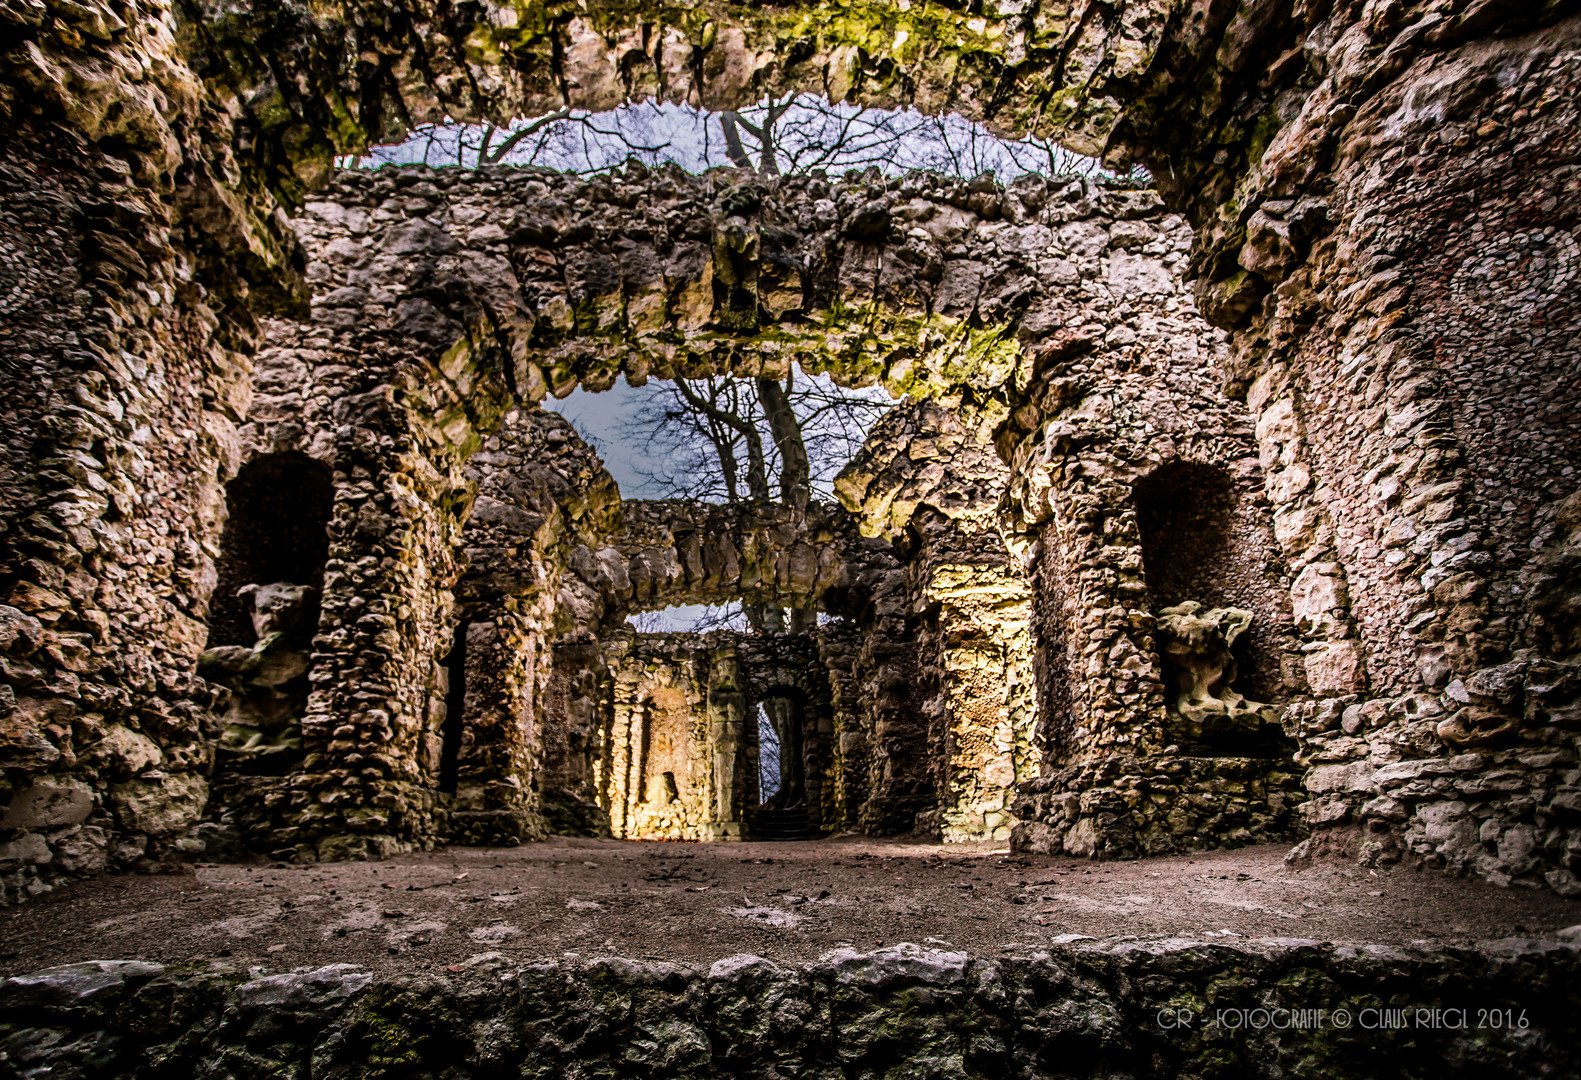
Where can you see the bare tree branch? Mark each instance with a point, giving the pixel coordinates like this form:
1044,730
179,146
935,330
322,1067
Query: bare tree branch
517,136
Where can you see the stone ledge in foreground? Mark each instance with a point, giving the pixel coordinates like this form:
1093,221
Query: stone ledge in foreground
1084,1008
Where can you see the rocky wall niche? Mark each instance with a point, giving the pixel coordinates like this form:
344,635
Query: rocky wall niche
276,530
1207,569
265,614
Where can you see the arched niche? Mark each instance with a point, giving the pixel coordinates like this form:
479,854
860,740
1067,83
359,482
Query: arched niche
276,531
1204,543
263,618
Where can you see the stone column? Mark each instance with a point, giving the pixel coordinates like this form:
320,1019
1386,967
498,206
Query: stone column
387,620
496,798
727,739
122,389
985,627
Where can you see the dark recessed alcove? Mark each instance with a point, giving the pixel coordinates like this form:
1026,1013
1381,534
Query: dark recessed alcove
276,531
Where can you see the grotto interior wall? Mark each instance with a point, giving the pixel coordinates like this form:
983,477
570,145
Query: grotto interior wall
1381,202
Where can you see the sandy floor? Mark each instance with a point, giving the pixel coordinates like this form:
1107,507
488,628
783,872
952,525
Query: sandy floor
698,902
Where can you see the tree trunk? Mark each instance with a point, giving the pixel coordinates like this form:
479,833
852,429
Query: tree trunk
795,470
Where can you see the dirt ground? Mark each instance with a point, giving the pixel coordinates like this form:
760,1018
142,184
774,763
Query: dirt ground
699,902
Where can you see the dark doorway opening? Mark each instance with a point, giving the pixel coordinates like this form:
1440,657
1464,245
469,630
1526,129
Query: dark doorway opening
277,531
780,723
455,667
782,767
263,616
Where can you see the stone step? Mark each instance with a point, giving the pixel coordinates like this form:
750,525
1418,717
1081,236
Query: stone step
790,824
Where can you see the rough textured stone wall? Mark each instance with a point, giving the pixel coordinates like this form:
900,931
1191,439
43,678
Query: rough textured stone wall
542,494
935,484
579,281
1415,385
395,438
1084,1009
1135,480
662,780
680,760
1316,149
122,395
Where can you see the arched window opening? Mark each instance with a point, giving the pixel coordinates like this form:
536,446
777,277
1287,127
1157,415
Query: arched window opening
265,609
1204,562
768,758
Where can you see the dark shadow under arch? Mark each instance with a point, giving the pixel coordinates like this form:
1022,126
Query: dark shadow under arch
277,530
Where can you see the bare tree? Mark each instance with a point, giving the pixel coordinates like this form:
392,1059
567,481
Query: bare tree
724,439
797,134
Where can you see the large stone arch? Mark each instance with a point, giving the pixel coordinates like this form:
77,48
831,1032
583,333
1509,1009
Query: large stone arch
1313,150
672,553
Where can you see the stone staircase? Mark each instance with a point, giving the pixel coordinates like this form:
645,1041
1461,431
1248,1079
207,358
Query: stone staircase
788,824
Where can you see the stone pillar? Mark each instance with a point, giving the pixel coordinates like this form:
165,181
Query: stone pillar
387,620
839,644
122,389
989,696
1116,703
496,797
727,739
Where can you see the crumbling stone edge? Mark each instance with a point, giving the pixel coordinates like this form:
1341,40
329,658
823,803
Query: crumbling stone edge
1078,1007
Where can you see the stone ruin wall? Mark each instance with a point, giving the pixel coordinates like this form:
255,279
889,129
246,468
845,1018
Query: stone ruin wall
121,416
966,741
1415,380
1135,421
1412,400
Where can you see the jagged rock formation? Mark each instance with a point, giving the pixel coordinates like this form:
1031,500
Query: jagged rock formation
1199,666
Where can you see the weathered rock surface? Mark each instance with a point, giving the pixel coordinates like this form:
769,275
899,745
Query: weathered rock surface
1381,203
1111,1008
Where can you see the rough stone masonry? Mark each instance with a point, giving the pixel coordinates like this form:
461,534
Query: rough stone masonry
1367,448
1242,505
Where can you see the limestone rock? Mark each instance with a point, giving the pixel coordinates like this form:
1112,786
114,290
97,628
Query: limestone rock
44,805
162,806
